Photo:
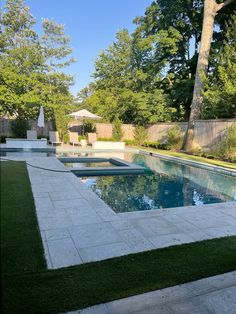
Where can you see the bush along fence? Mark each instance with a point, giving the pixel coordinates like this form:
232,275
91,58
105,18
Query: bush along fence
207,135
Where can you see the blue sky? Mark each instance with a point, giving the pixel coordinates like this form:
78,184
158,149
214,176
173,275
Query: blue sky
92,26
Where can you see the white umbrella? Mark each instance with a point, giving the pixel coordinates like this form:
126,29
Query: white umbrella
83,113
40,122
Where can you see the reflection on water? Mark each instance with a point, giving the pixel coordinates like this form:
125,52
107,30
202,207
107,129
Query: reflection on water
167,185
9,154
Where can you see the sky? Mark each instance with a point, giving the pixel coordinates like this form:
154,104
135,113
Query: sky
91,24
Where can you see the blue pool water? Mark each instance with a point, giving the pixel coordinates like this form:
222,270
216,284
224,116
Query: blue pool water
166,184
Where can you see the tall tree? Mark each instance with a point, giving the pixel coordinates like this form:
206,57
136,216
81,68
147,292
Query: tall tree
211,8
30,64
220,94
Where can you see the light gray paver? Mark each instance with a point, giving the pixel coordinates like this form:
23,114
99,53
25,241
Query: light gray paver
161,241
63,253
91,235
96,253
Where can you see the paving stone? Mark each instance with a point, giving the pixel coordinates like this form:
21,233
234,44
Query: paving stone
151,227
43,203
136,241
41,194
188,307
121,224
56,234
98,253
83,217
220,302
170,239
75,203
54,223
154,310
107,214
63,253
45,187
224,280
207,222
64,195
94,234
198,235
221,232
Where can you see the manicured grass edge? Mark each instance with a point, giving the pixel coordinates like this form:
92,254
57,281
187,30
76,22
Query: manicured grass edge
34,289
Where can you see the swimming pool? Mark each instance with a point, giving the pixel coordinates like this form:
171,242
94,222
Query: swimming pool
165,184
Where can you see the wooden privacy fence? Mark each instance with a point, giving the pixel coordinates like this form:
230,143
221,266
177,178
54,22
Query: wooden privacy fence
207,133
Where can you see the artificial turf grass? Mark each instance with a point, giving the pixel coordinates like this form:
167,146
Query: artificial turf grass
213,162
83,285
21,244
30,288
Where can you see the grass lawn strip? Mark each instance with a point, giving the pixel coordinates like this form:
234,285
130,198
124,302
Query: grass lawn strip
190,157
28,287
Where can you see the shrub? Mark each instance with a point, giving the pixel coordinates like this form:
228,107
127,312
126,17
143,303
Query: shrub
117,130
61,120
140,134
89,127
106,139
174,138
228,145
130,142
19,127
81,137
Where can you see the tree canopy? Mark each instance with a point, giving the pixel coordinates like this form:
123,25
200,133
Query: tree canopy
29,64
148,76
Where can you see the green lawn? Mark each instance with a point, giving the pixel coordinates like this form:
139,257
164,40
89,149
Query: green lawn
190,157
28,287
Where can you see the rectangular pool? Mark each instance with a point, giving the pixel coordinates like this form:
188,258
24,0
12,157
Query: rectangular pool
165,184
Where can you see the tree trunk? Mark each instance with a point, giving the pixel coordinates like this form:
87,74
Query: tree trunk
210,9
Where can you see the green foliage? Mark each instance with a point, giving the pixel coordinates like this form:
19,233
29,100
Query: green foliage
140,134
61,121
220,96
116,129
174,138
130,142
29,75
228,145
106,139
19,127
89,127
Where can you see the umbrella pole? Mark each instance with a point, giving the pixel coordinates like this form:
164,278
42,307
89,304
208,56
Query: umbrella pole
83,127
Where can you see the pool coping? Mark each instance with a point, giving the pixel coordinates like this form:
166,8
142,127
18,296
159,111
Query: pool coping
194,163
121,167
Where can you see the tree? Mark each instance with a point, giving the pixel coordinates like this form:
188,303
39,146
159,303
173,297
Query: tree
29,64
220,94
211,8
122,88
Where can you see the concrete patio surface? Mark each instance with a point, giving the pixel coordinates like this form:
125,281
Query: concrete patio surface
78,227
212,295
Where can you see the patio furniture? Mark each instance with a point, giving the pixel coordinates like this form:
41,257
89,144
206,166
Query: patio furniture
31,135
92,137
83,143
54,138
73,138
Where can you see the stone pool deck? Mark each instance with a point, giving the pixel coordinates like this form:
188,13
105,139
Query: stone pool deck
78,227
